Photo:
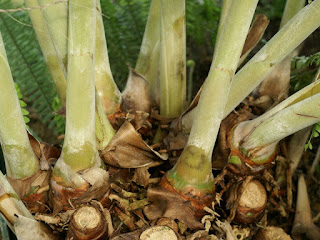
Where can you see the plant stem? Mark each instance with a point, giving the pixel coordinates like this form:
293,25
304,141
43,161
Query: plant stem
107,89
79,149
54,64
223,16
284,123
194,165
291,9
283,43
172,57
276,85
104,130
20,160
56,18
148,59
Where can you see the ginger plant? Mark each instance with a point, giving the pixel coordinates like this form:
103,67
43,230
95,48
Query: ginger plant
79,173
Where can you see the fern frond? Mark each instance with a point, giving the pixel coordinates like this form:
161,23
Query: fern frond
304,70
24,111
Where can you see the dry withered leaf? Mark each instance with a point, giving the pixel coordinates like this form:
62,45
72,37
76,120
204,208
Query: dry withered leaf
96,186
135,235
43,151
33,190
254,36
141,176
128,150
137,94
167,204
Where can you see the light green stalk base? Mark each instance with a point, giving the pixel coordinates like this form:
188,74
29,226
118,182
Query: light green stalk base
193,168
54,64
104,130
79,149
192,171
20,159
172,58
107,89
148,59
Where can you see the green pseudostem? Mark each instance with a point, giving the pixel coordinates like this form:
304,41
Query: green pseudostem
20,160
193,168
148,59
54,63
283,43
79,150
56,17
172,57
108,91
263,137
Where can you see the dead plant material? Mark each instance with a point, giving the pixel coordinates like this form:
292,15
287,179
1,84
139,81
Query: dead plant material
248,201
159,233
88,223
128,150
222,150
134,235
254,36
95,187
168,222
168,202
303,225
272,233
33,190
141,176
43,151
137,94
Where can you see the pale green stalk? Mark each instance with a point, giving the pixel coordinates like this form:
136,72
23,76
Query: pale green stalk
172,57
148,59
56,18
103,128
284,123
283,43
47,48
308,91
292,8
107,89
276,84
194,165
223,16
20,160
79,149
